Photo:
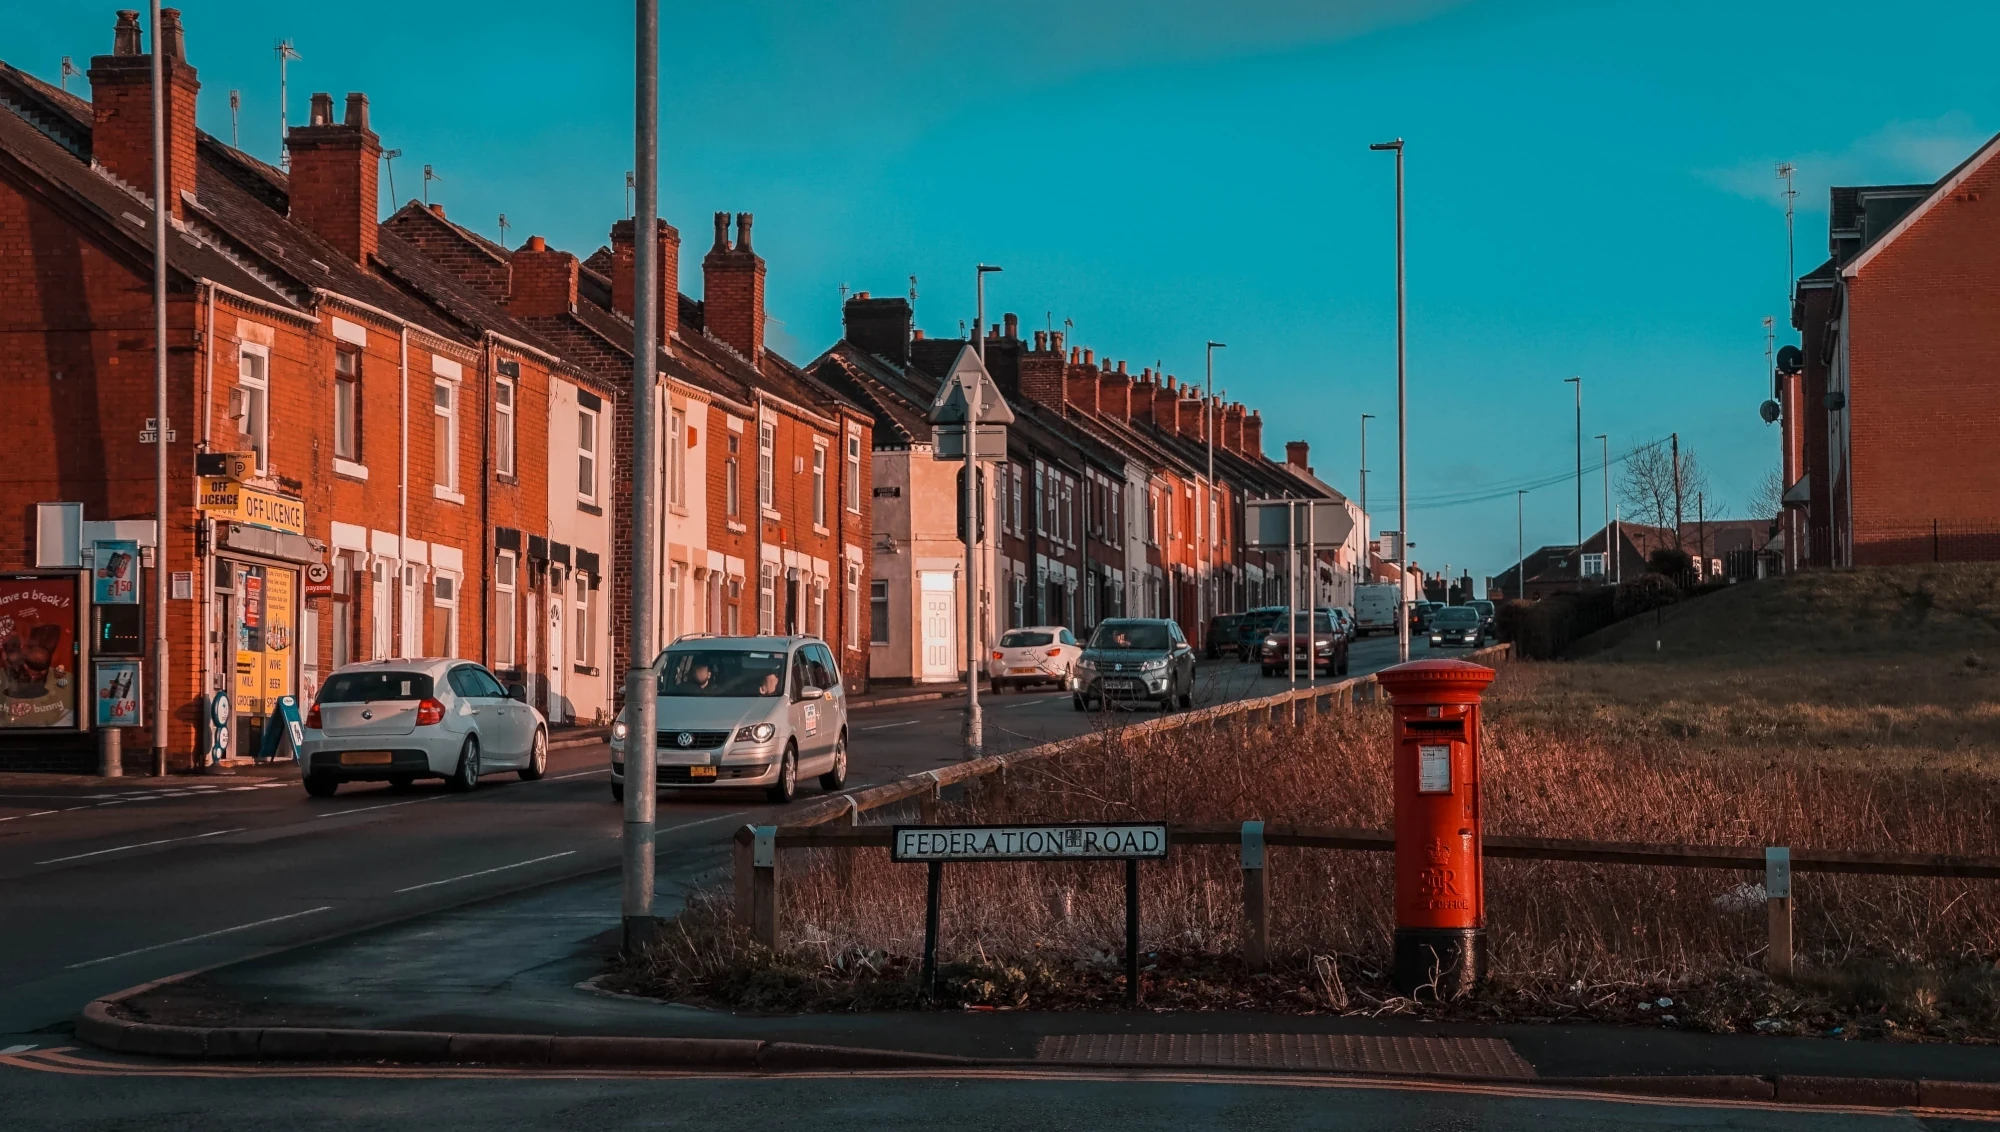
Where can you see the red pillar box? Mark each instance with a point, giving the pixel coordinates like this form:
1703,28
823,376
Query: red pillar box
1440,882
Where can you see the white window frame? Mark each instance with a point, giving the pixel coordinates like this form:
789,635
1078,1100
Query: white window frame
767,598
441,580
878,598
381,610
853,628
589,426
343,610
767,454
853,470
673,603
352,425
253,383
505,388
1018,529
732,476
1068,511
585,655
677,458
819,484
506,583
446,436
819,608
1599,560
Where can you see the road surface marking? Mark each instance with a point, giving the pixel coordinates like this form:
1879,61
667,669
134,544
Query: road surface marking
139,845
199,938
486,872
579,773
1030,703
383,806
881,726
12,1050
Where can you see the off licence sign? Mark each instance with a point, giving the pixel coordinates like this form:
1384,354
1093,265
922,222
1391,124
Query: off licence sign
1114,841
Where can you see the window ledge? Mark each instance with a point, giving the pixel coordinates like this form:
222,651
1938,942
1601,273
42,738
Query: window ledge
771,513
820,530
448,495
737,527
350,469
589,508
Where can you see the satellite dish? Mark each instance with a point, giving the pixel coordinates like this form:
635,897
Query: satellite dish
1836,401
1769,411
1791,360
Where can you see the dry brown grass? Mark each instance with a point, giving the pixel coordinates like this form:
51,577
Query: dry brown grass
1879,751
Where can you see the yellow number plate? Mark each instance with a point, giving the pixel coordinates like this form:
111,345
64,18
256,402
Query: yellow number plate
701,772
366,758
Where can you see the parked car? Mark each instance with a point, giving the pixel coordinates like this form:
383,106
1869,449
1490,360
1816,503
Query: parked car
1132,661
1328,647
1421,613
1486,613
1457,625
396,721
744,712
1375,608
1223,635
1343,618
1037,654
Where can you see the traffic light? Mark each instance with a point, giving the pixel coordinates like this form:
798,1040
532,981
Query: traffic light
958,489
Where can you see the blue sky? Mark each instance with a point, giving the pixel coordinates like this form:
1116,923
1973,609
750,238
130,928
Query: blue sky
1590,185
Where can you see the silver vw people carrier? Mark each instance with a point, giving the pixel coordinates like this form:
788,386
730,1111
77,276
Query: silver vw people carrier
745,712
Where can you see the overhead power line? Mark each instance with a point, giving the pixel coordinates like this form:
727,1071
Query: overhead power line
1486,493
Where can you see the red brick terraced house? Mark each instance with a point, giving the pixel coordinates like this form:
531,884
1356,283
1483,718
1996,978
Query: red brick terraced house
1888,452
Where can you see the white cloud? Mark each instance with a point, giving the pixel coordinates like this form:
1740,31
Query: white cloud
1913,152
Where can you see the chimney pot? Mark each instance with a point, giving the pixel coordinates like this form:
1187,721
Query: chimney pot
1296,454
125,36
1075,354
1121,367
322,109
917,335
537,244
357,110
861,294
1041,341
438,209
1056,340
171,40
721,232
743,220
1089,356
1013,326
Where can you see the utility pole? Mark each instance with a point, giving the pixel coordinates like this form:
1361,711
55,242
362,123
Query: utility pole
1402,425
1520,548
1786,171
1678,545
1700,538
975,724
1604,439
286,53
641,707
1365,418
1206,520
162,427
1578,382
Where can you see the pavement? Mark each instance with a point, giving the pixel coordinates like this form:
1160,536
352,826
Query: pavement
443,920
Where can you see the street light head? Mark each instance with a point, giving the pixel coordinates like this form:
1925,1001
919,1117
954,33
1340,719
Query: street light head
1568,380
984,268
1380,146
1218,345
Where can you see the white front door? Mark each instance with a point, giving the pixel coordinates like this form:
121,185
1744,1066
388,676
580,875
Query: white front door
939,618
558,707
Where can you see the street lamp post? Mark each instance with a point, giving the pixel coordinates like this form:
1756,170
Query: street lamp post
1365,418
1206,519
975,725
640,707
1604,441
1578,382
1402,427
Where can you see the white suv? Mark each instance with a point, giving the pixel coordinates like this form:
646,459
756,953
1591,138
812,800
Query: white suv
744,711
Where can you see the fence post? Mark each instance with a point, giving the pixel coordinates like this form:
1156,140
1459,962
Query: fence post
933,800
764,886
743,858
1256,899
1778,896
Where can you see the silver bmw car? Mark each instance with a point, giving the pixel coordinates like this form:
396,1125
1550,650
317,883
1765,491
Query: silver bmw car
744,712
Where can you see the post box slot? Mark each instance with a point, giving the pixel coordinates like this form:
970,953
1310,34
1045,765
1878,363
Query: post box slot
1454,728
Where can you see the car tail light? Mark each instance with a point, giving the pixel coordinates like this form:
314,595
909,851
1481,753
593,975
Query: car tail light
1055,652
429,712
998,655
312,716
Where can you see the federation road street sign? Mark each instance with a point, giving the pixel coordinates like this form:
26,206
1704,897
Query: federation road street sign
1117,841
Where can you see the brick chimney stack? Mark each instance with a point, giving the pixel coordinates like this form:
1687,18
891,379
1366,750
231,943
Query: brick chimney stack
1080,385
1296,455
1231,436
542,283
1043,370
1114,394
733,289
1253,435
1166,406
121,105
879,326
334,169
624,265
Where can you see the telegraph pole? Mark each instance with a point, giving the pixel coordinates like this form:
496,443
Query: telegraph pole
1402,426
1520,548
640,706
1604,439
975,724
1677,492
1205,520
161,426
1365,418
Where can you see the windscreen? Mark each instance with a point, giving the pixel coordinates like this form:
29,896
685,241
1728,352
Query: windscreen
722,673
1458,615
1322,625
1130,635
368,687
1021,640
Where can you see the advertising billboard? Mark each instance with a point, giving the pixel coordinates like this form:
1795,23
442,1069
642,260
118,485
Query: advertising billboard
38,651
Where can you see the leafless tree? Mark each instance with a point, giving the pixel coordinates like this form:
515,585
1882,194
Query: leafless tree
1647,486
1769,498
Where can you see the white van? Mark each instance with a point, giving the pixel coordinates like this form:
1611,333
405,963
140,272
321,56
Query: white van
1374,608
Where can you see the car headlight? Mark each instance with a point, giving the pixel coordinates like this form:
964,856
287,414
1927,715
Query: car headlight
1153,665
1326,646
1270,642
619,730
755,733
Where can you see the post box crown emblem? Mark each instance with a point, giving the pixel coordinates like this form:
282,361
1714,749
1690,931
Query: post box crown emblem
1440,853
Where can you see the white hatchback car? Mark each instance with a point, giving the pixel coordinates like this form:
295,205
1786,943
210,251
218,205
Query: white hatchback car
744,711
397,721
1032,654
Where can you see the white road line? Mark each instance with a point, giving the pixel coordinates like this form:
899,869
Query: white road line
39,814
383,806
882,726
486,872
579,773
12,1050
140,845
199,938
1029,703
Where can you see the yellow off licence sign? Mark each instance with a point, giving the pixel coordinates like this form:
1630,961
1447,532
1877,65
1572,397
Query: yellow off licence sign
234,502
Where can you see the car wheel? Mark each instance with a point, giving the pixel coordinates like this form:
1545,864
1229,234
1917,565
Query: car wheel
1187,698
1343,663
618,792
995,687
538,757
465,775
787,785
1076,702
321,785
837,777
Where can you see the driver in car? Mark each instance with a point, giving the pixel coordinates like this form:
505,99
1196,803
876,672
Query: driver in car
701,676
1121,639
770,685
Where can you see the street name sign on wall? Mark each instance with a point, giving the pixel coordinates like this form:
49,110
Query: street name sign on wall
1119,841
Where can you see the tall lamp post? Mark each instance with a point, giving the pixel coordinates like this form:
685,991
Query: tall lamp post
160,424
1207,520
640,708
1578,382
1604,441
975,724
1365,418
1402,427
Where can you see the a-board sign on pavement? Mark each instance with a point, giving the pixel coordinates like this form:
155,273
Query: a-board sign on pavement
1110,841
